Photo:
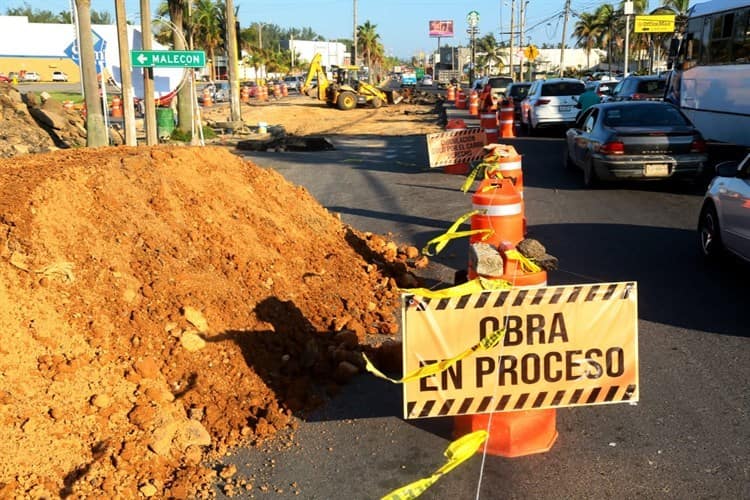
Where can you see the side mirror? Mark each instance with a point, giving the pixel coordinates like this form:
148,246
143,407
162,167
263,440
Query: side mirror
727,168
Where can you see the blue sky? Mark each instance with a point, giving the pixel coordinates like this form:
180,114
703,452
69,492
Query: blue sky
402,24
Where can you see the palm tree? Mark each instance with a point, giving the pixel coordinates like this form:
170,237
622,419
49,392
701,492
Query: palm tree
368,42
177,10
586,31
208,29
487,45
606,18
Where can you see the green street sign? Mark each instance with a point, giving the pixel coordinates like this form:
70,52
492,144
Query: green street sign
167,58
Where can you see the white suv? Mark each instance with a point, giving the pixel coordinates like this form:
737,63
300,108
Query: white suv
59,76
551,102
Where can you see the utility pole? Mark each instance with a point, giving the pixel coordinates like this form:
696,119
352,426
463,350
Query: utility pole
512,15
521,15
96,130
148,77
354,36
628,8
564,30
231,43
126,78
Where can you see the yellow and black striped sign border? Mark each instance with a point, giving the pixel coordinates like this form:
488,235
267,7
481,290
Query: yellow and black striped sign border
519,297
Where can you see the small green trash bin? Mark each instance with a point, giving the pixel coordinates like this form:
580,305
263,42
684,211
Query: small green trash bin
164,122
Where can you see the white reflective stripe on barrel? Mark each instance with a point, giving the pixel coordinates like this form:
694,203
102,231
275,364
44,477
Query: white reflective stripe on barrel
488,116
499,210
506,121
506,110
491,130
511,165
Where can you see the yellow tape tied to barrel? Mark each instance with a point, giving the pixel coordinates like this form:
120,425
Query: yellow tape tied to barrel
489,342
473,175
457,453
452,234
526,264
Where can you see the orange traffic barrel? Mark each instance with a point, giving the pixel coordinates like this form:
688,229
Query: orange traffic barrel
460,99
458,168
506,118
513,433
68,105
488,122
500,208
276,90
207,101
474,103
284,90
116,108
506,163
245,94
451,96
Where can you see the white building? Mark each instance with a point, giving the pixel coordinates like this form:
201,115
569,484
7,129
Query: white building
45,48
333,53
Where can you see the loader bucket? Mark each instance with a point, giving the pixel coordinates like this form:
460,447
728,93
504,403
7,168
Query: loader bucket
394,97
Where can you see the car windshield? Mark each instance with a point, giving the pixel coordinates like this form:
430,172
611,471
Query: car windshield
563,88
519,90
647,115
653,87
500,83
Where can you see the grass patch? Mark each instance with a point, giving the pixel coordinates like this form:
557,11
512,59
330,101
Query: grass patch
178,135
76,97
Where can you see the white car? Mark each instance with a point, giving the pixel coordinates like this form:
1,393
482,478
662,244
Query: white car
59,76
427,81
31,76
724,222
551,103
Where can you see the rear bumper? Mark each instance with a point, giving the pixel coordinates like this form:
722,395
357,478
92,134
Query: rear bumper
634,167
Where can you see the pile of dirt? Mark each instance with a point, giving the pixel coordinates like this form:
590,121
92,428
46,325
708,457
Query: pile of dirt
161,305
19,132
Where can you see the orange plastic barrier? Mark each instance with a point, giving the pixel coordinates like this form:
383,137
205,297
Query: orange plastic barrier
460,99
284,90
506,118
508,164
474,103
501,209
207,101
451,93
116,110
488,122
245,94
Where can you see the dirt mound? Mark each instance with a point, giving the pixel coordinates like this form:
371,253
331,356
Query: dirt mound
19,133
160,305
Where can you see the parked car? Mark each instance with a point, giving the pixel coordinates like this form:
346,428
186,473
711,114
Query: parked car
518,92
499,86
31,76
550,103
639,88
601,87
59,76
724,221
293,82
427,81
634,140
219,92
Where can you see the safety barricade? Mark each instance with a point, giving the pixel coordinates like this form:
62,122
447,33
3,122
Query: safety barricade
458,168
116,109
474,103
451,93
245,94
207,100
460,99
488,122
499,208
506,118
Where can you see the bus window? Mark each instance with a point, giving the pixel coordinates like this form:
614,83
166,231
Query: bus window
741,42
721,38
705,41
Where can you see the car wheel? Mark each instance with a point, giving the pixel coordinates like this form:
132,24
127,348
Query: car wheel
709,235
589,175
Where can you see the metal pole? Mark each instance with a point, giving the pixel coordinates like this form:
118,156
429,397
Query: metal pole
512,15
521,21
354,35
148,77
126,78
628,7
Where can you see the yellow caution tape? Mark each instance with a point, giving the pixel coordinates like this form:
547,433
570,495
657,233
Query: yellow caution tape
486,343
452,234
471,177
457,453
526,264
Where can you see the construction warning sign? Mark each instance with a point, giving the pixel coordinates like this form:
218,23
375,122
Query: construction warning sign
654,24
530,348
455,146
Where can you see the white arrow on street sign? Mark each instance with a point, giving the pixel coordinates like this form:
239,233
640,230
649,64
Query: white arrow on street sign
141,58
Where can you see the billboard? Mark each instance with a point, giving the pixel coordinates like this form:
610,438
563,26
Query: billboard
441,29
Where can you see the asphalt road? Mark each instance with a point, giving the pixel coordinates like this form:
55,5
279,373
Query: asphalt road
687,437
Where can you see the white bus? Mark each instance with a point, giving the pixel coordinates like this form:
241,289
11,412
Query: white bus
710,81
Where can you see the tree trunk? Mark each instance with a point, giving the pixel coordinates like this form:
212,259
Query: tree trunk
96,132
184,102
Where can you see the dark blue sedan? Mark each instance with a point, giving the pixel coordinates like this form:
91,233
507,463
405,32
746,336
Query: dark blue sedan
634,140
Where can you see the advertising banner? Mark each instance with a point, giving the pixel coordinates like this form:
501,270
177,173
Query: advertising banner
442,29
654,24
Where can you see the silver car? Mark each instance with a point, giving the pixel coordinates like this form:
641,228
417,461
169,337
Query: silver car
724,222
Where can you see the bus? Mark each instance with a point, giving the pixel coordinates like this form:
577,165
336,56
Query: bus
710,77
